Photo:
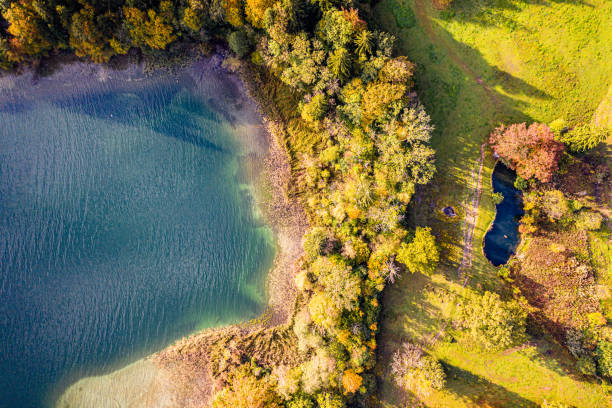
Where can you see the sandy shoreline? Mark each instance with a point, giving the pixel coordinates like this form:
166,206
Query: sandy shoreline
179,375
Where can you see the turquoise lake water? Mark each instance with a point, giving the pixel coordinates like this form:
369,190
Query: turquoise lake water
126,220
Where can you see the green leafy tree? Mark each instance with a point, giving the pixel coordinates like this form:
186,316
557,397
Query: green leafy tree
193,19
300,401
315,109
150,29
364,44
239,43
339,63
492,323
316,241
603,352
585,137
341,285
318,372
323,310
334,28
378,97
87,38
421,254
5,62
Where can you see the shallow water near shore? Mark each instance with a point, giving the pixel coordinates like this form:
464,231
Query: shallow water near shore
502,239
125,219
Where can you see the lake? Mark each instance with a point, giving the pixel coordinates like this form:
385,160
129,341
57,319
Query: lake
126,219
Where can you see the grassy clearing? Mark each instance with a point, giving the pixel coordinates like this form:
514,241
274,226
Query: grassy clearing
486,62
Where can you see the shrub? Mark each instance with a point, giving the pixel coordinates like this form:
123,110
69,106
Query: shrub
586,365
4,54
555,205
497,198
503,272
588,220
596,319
328,400
300,401
238,43
302,281
315,241
604,358
491,322
520,183
443,4
245,390
421,255
531,151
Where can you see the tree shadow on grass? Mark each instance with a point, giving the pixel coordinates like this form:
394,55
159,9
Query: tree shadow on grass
490,12
471,389
480,391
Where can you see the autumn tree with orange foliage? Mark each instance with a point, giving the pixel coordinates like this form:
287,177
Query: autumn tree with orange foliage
351,381
531,151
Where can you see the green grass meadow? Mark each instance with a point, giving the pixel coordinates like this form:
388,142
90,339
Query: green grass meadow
481,63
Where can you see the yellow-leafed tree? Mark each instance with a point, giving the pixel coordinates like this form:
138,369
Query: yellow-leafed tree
255,10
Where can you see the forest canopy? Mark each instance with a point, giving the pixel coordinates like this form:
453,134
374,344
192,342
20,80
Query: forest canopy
372,153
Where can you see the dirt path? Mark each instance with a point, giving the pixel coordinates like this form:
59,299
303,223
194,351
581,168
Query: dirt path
469,225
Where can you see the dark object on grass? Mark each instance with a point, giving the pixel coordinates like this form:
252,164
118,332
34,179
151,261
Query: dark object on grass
449,211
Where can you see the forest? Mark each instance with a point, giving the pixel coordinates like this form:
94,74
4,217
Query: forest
363,154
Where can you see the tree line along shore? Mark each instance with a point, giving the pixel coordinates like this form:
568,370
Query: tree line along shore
358,142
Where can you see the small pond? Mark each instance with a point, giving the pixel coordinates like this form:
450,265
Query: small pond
503,238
